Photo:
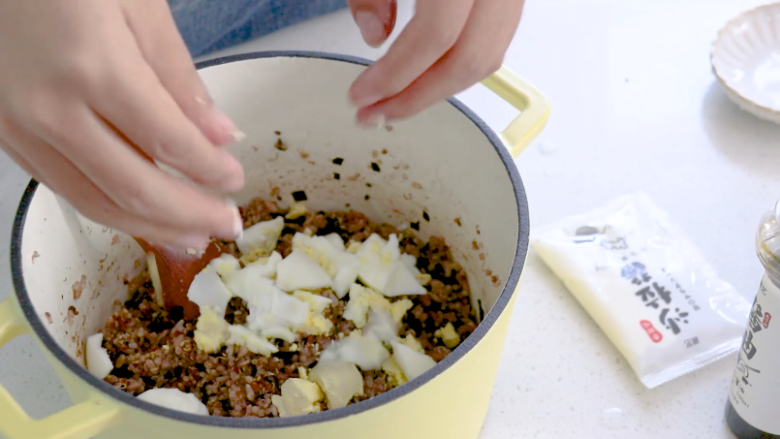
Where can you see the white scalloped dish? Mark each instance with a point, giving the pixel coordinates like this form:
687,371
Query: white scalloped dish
746,60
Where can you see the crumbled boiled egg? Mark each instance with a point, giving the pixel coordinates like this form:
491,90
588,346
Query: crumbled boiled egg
423,278
448,335
385,269
353,247
241,336
269,307
376,262
316,323
300,272
339,381
411,342
381,325
345,277
175,399
319,249
297,210
336,241
366,352
208,291
244,280
362,299
410,262
225,265
279,332
403,283
98,362
329,253
299,397
261,238
412,363
394,373
212,331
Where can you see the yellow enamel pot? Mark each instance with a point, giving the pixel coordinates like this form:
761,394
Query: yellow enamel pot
445,163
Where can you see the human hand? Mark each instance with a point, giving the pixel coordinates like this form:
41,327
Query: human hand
447,47
90,92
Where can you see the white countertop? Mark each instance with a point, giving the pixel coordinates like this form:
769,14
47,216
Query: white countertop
635,106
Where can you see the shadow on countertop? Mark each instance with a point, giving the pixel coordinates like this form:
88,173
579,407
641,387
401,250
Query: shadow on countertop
734,132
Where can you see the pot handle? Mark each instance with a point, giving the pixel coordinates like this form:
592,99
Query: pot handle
534,108
81,421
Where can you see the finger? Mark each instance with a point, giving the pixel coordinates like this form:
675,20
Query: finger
21,161
375,19
126,178
143,110
476,55
433,30
164,49
67,181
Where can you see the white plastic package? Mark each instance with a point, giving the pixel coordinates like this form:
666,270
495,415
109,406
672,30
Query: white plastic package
646,286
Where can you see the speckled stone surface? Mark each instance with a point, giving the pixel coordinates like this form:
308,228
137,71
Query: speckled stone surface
635,106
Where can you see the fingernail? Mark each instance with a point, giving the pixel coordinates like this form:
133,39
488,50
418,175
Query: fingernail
238,222
195,242
226,125
375,121
371,27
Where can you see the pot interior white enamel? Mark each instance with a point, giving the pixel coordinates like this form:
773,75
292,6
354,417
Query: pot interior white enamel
444,170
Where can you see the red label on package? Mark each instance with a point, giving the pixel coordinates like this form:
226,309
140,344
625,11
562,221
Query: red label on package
767,318
655,336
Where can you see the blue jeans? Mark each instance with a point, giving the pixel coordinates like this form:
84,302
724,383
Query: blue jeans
209,25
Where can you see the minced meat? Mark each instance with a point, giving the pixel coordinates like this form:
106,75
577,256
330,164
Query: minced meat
151,347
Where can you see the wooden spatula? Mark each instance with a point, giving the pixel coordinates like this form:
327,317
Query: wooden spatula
177,269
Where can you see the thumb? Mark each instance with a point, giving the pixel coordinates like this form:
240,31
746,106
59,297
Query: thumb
166,53
375,18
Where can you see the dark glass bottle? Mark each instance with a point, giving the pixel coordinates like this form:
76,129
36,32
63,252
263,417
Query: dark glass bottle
752,411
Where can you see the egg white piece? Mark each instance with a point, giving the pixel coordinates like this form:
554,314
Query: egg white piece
364,351
208,290
410,262
339,381
245,280
242,336
330,253
279,332
377,259
381,325
268,264
175,399
413,363
347,274
98,362
402,282
319,249
298,398
293,312
261,236
300,272
335,240
225,265
270,307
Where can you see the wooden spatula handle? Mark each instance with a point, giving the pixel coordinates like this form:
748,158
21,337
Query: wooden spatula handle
177,269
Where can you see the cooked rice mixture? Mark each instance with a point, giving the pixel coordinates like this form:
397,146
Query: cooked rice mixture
151,347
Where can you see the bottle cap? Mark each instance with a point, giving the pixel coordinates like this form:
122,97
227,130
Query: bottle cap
768,240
